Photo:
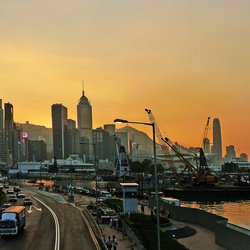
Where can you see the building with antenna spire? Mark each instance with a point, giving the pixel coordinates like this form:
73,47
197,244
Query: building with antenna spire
84,123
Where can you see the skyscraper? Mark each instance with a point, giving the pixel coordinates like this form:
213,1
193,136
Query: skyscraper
84,123
2,141
217,144
73,137
9,130
230,153
59,128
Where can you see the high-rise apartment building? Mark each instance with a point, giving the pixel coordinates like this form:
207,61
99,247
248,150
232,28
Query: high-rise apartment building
84,123
230,153
217,143
73,138
243,157
59,130
2,138
9,130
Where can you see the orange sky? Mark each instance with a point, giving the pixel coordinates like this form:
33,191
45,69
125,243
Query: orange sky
185,60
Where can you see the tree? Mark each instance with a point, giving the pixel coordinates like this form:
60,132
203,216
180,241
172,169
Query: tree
53,168
136,167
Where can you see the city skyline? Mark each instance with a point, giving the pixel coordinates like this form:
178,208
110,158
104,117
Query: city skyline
185,60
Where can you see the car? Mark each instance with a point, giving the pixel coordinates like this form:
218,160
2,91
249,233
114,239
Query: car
4,206
10,191
27,201
6,185
20,195
105,194
12,198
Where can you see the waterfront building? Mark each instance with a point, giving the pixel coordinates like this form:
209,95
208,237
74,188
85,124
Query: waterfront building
59,129
230,153
84,123
243,157
2,137
37,150
217,142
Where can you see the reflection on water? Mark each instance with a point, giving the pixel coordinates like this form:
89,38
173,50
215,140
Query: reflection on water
236,212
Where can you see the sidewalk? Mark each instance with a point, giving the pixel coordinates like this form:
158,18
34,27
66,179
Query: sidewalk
123,241
204,239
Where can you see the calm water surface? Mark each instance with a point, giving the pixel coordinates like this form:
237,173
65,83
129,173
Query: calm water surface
236,212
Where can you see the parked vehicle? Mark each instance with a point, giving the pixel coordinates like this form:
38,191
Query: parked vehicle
4,206
27,201
12,220
12,198
105,194
6,185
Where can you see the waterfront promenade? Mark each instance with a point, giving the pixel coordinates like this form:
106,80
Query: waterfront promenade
204,238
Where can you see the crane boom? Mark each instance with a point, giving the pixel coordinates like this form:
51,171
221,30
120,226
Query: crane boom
152,119
204,139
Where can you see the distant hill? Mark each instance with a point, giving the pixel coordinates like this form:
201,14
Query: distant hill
38,132
140,140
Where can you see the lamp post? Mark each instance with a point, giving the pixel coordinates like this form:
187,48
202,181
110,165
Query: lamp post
156,179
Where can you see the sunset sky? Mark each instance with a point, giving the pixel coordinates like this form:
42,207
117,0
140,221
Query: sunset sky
184,59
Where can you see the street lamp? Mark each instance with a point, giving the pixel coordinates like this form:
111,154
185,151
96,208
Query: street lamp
155,170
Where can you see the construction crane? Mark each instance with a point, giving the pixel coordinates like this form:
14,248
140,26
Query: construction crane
201,171
158,134
122,163
205,138
164,147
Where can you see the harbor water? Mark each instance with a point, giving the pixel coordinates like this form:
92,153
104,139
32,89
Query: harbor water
236,212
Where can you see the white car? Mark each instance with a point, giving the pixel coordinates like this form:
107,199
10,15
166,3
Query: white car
20,195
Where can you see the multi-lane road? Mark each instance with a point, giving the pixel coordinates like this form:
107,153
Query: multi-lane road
52,223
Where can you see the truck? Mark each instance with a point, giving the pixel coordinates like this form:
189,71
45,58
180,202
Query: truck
12,220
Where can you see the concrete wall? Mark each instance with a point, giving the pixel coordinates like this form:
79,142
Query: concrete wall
227,235
232,237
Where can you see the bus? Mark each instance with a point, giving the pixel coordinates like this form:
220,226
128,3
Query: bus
12,220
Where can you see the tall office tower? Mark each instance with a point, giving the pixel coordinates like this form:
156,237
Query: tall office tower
59,130
217,144
37,150
104,145
206,145
110,128
20,146
230,153
2,141
9,130
73,138
84,123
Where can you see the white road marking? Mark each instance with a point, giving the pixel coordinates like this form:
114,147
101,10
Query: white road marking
57,236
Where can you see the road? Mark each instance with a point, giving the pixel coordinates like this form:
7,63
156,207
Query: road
39,233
